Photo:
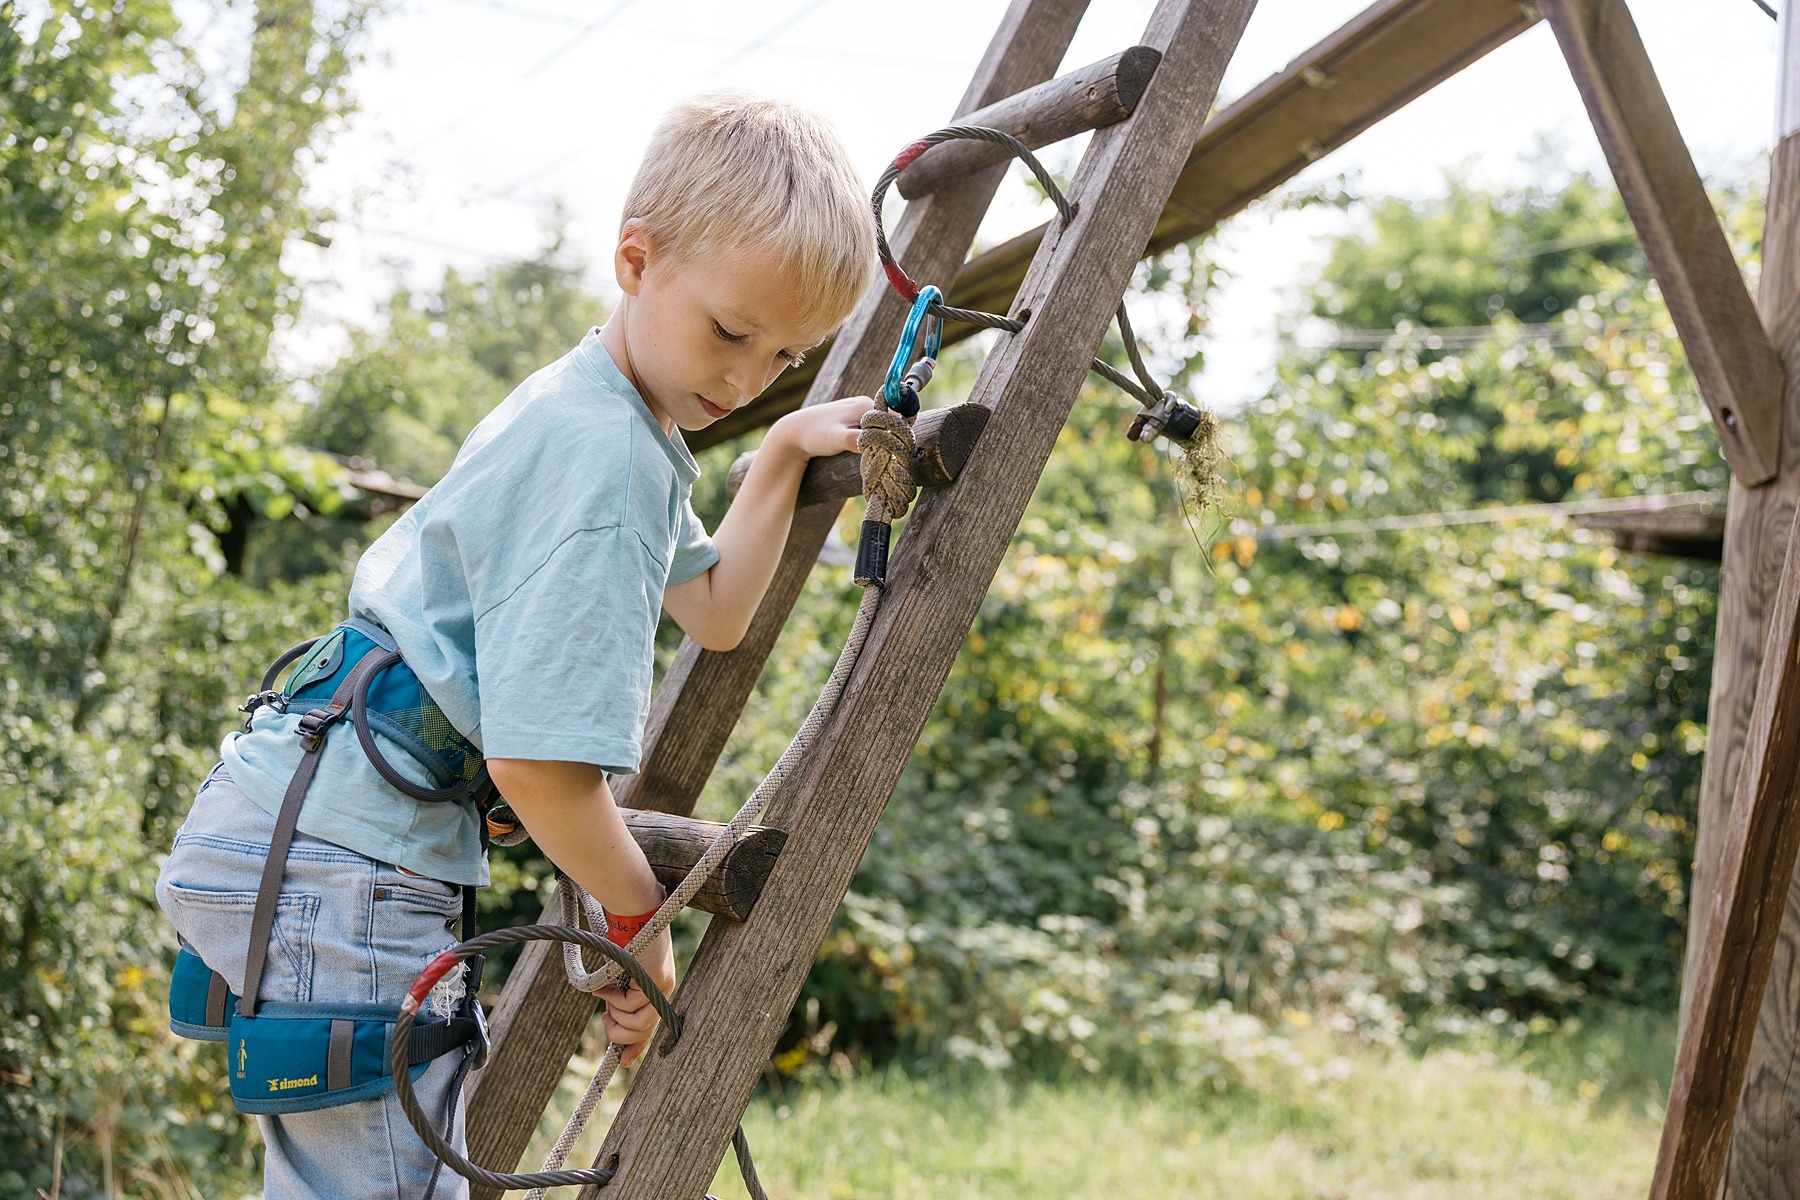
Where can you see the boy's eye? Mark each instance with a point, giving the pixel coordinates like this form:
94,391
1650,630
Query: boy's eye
726,333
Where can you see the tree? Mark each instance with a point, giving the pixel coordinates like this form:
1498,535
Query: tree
142,217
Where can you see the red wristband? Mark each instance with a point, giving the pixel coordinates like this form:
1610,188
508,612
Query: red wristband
620,930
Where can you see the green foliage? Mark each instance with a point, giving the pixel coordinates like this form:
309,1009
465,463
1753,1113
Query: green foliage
1178,792
1188,788
142,219
408,392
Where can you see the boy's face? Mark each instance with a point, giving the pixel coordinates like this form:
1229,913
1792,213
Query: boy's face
704,337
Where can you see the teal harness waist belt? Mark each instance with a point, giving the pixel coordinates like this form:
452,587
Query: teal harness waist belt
296,1057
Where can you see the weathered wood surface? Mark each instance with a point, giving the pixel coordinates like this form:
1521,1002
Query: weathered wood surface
1757,520
679,1113
1680,534
1757,866
698,701
1375,64
1765,1150
1738,374
674,844
945,438
1102,93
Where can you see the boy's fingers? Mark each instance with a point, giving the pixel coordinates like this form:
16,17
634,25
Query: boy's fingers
625,1001
630,1032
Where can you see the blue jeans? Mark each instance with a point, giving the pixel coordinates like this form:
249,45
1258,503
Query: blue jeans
347,928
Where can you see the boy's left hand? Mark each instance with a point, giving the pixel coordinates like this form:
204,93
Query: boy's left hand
822,430
629,1018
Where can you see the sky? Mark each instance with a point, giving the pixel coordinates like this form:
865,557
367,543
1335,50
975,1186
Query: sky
481,118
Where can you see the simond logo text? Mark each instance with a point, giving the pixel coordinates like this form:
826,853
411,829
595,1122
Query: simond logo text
282,1085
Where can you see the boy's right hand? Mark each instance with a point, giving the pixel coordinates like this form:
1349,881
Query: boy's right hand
630,1018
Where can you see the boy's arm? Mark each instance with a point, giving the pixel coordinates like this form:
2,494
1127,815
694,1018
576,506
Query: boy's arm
568,809
715,607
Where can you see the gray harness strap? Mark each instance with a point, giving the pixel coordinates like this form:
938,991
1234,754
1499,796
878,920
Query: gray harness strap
313,727
217,993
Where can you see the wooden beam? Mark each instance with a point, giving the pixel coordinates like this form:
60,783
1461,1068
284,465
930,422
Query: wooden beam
1377,63
1739,869
1761,845
945,438
1102,93
1765,1151
1678,534
1733,362
539,1019
686,1098
674,844
1757,525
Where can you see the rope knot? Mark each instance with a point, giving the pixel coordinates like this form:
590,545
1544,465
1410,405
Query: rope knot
886,444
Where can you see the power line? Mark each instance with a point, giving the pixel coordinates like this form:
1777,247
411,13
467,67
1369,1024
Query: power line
1554,334
436,244
582,35
1768,8
1531,250
1494,515
799,15
531,72
507,189
514,10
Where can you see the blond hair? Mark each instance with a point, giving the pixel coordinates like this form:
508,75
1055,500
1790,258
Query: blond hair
729,170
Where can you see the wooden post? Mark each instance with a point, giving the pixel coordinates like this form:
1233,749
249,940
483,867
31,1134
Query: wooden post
1731,357
538,1022
679,1113
1764,1163
1757,867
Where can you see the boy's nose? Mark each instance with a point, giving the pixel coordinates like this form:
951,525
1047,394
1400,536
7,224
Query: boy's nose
748,380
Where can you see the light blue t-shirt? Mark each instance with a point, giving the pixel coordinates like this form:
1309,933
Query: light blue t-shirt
524,591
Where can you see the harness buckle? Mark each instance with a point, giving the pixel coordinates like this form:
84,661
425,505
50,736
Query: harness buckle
273,698
313,725
479,1055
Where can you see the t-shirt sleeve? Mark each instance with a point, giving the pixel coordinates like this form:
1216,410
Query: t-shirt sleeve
694,549
565,662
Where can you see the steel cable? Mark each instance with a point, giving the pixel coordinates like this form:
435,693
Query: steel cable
1145,390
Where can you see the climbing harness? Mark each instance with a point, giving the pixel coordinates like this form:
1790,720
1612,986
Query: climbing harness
295,1057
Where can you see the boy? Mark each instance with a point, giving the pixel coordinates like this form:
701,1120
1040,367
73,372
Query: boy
523,592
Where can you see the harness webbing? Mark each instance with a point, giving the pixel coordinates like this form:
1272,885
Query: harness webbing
314,726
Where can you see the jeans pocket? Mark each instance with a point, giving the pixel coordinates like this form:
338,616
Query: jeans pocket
413,920
217,925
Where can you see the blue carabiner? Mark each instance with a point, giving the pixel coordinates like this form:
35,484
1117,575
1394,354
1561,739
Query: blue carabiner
909,342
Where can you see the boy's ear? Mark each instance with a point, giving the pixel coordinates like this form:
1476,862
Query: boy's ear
632,257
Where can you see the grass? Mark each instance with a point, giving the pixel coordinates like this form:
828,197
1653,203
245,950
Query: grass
1571,1112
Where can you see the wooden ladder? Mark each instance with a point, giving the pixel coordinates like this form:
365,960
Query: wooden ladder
684,1103
1149,182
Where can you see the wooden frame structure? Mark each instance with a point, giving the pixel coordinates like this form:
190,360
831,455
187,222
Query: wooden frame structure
1156,174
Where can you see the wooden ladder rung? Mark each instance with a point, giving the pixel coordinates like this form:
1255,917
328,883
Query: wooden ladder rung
1099,94
674,844
945,436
